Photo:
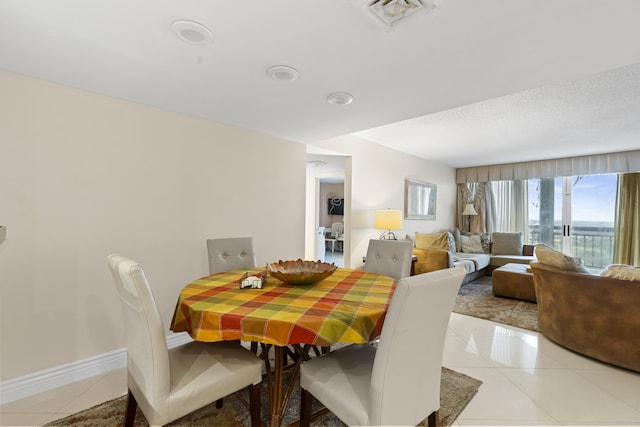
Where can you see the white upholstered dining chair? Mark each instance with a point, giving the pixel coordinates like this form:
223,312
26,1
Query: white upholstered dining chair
233,253
389,257
168,384
337,230
397,383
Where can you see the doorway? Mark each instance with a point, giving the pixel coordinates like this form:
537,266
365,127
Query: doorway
331,217
328,202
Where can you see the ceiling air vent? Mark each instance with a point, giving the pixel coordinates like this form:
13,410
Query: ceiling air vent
391,11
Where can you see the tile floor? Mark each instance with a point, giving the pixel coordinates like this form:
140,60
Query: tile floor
335,257
527,380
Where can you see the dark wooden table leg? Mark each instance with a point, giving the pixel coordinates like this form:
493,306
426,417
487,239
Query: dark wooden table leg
276,395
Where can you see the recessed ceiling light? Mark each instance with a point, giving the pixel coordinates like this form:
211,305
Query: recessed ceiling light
283,73
192,32
340,98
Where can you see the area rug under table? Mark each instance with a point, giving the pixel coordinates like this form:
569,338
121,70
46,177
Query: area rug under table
476,299
456,390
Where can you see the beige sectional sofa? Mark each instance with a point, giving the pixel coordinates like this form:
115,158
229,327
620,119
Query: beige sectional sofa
476,253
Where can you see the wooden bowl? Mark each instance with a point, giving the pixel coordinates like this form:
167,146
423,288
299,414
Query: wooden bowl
301,272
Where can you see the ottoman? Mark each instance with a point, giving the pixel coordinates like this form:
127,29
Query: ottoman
514,281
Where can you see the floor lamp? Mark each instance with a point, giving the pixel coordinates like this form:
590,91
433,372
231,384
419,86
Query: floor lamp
469,211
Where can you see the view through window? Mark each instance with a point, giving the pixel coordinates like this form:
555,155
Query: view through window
574,215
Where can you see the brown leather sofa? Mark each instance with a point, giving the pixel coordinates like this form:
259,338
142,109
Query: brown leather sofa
592,315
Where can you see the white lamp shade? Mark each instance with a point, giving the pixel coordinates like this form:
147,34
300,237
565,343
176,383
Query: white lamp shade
389,219
469,210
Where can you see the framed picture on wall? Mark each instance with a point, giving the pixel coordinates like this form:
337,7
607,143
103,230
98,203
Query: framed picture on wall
419,200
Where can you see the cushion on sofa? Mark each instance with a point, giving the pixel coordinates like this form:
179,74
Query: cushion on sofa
471,244
451,242
485,239
506,243
468,265
456,238
432,241
480,260
431,260
621,271
557,259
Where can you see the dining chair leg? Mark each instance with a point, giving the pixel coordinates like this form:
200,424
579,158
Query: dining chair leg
130,411
289,353
305,408
254,405
432,420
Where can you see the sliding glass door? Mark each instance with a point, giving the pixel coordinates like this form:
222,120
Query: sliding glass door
574,215
593,201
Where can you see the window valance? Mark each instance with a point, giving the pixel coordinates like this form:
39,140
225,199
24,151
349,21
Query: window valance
628,161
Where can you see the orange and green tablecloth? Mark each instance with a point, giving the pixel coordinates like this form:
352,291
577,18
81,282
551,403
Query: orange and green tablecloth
349,306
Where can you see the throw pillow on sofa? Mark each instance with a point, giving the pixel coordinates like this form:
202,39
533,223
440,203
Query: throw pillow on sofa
557,259
621,271
472,244
432,241
451,241
506,243
456,238
485,240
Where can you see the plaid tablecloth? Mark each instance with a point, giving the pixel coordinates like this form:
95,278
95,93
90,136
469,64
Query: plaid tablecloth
349,306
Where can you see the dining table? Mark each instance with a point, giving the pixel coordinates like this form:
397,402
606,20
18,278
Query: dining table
347,307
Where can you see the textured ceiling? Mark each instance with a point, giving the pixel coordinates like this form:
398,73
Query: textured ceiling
482,81
590,115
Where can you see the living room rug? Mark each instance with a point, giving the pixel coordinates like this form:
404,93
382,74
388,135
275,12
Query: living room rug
476,299
456,390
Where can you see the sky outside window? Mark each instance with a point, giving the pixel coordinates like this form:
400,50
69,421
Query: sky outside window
593,200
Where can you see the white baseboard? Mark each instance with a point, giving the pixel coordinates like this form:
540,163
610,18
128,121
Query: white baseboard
37,382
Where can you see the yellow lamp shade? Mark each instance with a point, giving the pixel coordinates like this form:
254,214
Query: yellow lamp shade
389,219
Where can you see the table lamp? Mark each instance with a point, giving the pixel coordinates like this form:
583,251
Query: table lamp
469,210
388,219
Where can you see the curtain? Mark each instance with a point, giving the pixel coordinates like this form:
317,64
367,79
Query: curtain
465,196
628,161
512,212
626,246
481,196
485,203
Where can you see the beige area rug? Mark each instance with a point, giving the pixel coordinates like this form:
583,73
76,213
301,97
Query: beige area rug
456,391
476,299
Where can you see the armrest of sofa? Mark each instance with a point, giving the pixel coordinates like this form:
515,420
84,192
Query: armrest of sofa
432,260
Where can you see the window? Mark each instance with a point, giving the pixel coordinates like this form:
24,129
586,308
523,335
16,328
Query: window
575,215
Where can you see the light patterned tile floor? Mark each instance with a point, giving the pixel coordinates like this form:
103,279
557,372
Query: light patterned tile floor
335,257
527,380
530,380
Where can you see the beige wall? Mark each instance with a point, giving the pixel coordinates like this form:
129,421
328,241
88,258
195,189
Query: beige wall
84,175
376,181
